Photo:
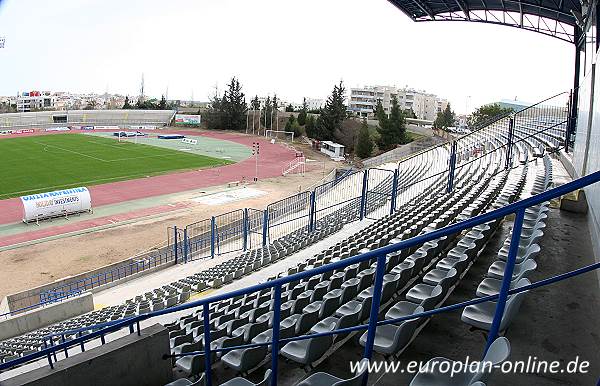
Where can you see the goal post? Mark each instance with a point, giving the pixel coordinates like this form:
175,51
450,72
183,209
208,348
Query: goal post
278,134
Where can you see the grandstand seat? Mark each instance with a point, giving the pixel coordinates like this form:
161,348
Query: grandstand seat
186,382
245,359
497,353
193,365
481,315
326,379
309,350
239,381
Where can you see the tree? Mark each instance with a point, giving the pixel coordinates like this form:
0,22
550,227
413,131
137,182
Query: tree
214,113
162,105
255,103
444,119
391,129
289,122
127,105
233,106
289,108
332,115
310,126
364,144
303,113
293,126
410,113
487,112
91,105
265,117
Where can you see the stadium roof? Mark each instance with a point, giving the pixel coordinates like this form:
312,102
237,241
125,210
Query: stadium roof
549,17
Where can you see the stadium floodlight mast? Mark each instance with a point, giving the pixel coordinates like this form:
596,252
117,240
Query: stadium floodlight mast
247,118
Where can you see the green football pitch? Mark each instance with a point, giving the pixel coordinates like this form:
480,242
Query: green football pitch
43,163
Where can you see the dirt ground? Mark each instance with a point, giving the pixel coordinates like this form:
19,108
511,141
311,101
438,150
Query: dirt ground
38,264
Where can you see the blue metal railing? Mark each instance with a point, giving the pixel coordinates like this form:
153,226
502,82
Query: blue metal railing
380,254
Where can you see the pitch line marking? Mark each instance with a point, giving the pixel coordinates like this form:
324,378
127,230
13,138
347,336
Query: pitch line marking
72,151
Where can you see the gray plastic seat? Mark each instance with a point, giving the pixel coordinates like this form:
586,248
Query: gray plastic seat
326,379
498,353
239,381
307,351
245,359
496,270
490,286
186,382
193,365
392,339
482,315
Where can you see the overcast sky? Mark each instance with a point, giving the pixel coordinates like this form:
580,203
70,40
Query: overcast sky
293,48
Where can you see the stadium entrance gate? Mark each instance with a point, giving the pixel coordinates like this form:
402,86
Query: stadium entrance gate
379,187
255,225
176,242
289,215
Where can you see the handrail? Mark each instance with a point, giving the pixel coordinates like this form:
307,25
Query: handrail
100,329
59,297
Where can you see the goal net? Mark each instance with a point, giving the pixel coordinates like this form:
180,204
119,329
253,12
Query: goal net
281,135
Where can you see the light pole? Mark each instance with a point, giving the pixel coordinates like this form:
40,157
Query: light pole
247,118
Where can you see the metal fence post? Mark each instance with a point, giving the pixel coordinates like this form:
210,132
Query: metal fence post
511,130
185,245
207,359
374,315
245,230
569,121
452,167
311,212
394,191
363,198
265,229
212,237
506,280
175,242
275,340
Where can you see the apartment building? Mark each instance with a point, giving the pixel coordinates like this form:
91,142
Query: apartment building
363,101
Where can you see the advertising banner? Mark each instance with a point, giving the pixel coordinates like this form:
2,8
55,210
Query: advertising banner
57,203
184,119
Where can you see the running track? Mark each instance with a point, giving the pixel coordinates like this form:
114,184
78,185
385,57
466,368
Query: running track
272,159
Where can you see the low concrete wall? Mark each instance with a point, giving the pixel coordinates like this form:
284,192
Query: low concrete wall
131,360
32,296
41,317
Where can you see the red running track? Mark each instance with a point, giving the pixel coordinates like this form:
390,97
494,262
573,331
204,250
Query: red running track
272,159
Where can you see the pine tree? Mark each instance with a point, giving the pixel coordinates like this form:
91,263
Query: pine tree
332,115
391,129
162,105
303,113
445,118
265,117
290,121
364,144
127,105
255,103
397,124
234,107
310,126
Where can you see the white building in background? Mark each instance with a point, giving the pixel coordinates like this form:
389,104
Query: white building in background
35,100
363,101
